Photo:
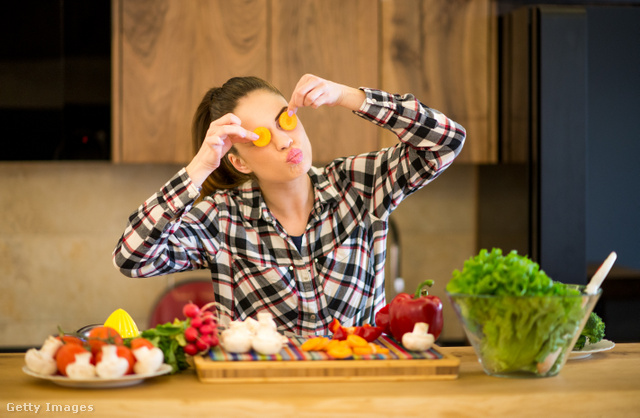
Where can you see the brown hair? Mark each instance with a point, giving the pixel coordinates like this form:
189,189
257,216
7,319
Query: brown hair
217,102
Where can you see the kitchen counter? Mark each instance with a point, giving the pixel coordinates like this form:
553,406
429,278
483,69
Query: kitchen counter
604,384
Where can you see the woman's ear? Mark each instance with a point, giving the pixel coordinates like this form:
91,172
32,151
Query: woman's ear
239,164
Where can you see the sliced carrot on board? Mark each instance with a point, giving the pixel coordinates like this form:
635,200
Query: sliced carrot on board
265,137
362,350
312,344
287,122
356,341
340,351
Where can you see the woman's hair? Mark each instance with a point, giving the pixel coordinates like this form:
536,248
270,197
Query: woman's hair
216,103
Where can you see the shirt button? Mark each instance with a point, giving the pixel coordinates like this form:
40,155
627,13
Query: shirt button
312,317
290,268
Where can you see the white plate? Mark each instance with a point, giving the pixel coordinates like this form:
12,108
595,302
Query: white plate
588,349
97,382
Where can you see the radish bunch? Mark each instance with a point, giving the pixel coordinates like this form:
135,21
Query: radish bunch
202,333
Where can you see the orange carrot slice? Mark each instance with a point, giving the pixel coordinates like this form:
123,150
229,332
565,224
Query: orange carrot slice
265,137
356,341
287,122
340,351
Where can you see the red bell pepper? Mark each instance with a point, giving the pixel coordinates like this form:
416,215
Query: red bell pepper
334,325
366,331
406,310
340,334
382,319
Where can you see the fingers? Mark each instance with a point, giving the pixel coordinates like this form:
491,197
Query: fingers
228,119
313,91
228,128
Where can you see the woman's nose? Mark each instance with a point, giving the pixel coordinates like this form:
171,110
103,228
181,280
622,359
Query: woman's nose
282,142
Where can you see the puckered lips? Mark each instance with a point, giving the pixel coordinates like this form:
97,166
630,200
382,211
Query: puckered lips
294,156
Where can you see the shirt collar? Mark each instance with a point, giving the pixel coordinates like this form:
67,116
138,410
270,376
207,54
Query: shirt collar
254,206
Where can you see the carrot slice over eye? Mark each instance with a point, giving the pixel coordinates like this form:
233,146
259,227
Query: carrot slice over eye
287,122
265,137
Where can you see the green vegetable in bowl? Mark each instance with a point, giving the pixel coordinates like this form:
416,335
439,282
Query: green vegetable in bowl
517,317
593,331
491,273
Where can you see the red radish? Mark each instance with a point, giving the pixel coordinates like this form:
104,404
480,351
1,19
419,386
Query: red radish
207,339
191,334
191,310
202,345
206,329
208,318
191,349
197,322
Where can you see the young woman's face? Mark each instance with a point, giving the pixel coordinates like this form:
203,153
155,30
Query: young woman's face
288,155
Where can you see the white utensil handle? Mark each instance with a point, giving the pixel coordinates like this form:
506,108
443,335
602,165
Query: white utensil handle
600,274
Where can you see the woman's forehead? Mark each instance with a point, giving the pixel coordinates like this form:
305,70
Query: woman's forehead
260,102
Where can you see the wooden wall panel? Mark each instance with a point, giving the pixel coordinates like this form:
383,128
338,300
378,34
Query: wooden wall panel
444,52
172,51
337,40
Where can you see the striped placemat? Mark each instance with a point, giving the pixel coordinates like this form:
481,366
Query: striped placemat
292,352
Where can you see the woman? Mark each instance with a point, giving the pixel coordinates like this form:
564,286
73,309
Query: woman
306,244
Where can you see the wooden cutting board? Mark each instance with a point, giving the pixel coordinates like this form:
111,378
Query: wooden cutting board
295,365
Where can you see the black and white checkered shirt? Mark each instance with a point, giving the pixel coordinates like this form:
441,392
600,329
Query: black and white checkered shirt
255,266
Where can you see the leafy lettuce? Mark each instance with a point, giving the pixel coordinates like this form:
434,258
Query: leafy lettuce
516,316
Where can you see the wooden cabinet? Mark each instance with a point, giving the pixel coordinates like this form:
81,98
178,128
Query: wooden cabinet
444,52
167,53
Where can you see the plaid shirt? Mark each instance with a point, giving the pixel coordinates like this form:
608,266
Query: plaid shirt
255,266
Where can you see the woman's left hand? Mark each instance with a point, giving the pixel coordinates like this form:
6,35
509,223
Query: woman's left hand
313,91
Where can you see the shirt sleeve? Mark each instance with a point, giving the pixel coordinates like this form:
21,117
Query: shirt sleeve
160,238
429,142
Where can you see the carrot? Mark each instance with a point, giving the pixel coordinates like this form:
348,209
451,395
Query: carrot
265,137
286,122
340,351
312,344
356,341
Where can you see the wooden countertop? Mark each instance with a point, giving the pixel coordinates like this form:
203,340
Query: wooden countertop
604,384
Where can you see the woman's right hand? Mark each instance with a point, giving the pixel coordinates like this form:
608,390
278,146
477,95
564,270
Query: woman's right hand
220,137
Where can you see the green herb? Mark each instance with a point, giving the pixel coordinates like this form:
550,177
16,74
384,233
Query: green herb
522,326
169,338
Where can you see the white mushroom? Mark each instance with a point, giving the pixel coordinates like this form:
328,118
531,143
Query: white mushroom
267,340
266,319
236,339
111,366
147,360
419,339
82,367
42,361
261,335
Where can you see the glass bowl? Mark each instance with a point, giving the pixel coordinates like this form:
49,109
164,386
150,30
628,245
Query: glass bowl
524,336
